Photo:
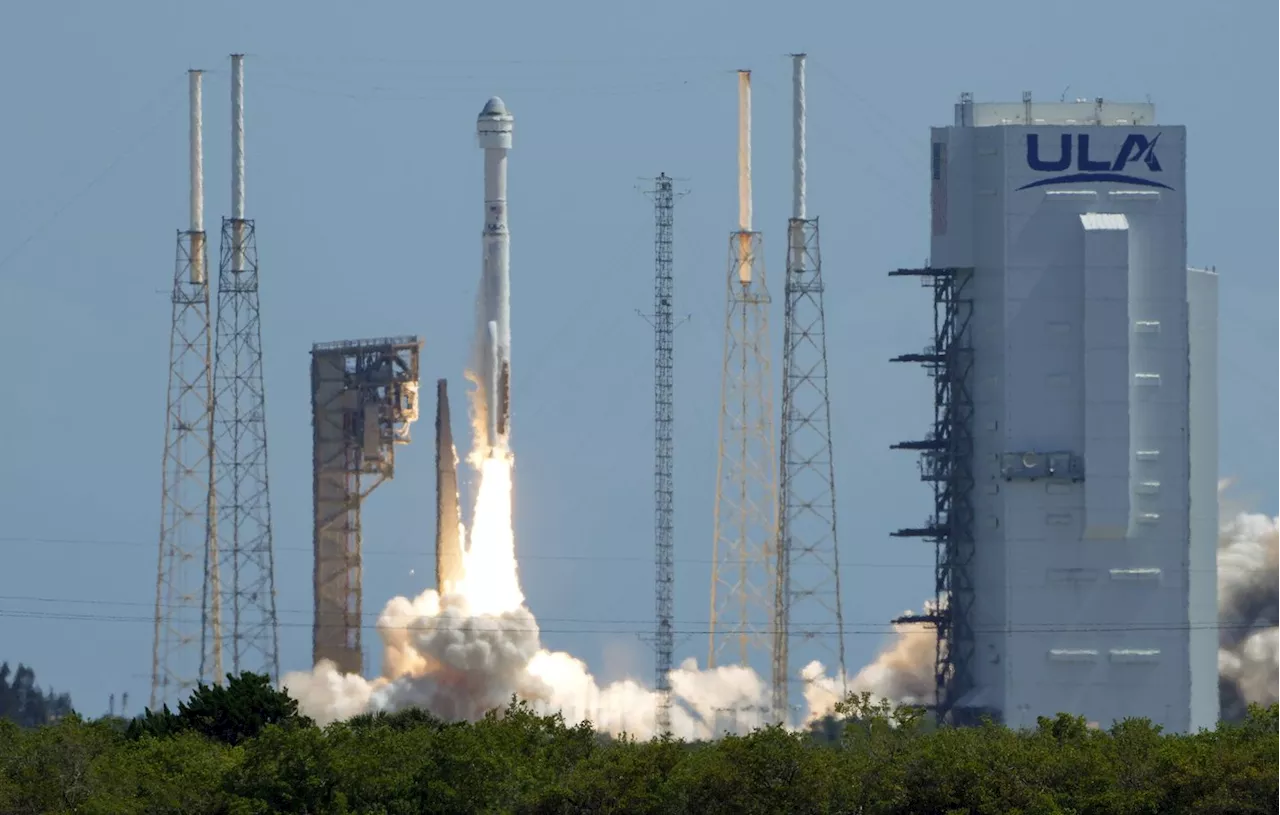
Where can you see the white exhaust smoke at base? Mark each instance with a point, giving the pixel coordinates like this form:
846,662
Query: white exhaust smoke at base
469,651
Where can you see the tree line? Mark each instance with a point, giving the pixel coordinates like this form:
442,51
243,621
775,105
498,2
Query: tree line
243,747
22,701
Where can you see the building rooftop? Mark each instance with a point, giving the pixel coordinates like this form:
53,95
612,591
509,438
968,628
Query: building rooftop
1062,113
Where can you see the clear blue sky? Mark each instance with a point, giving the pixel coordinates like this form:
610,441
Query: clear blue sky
364,180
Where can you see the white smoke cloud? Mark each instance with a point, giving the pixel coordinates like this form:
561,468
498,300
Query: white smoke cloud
439,657
902,672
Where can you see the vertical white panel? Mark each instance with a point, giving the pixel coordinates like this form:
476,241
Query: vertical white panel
1202,323
1106,375
1082,268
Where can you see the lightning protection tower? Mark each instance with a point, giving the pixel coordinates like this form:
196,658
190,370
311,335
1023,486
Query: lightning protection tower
240,430
663,446
807,599
364,397
743,569
187,647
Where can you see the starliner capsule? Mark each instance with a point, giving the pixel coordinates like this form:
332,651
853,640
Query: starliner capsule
494,129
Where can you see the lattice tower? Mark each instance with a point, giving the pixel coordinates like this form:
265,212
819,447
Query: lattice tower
745,527
240,431
663,445
187,645
807,599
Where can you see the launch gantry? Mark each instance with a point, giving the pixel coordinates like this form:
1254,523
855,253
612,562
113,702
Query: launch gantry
364,397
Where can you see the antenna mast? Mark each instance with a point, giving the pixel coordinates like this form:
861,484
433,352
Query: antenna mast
807,596
663,445
240,424
187,573
742,570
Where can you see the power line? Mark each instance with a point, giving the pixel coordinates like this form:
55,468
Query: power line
133,145
865,625
533,557
863,629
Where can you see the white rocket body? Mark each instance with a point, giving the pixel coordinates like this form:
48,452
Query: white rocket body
494,129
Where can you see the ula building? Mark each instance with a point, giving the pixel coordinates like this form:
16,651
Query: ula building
1073,453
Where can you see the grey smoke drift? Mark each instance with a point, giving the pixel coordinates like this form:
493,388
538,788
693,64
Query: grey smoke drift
1247,613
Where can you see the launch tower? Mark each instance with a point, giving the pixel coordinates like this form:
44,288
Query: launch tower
364,397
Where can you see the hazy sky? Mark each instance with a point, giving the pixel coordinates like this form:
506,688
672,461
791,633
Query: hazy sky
365,182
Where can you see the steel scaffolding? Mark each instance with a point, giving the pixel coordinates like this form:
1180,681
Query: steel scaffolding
946,462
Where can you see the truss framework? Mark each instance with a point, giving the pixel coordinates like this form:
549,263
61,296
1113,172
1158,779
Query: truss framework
663,445
246,555
187,644
946,462
745,527
807,595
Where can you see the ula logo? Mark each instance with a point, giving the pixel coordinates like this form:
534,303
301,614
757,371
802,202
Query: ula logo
1089,169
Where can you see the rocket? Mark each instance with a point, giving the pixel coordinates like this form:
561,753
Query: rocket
494,128
492,360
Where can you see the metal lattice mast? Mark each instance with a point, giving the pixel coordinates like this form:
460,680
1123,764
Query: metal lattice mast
807,596
663,490
742,570
240,429
187,627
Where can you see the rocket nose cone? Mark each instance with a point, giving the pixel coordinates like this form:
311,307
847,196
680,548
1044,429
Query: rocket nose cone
494,107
